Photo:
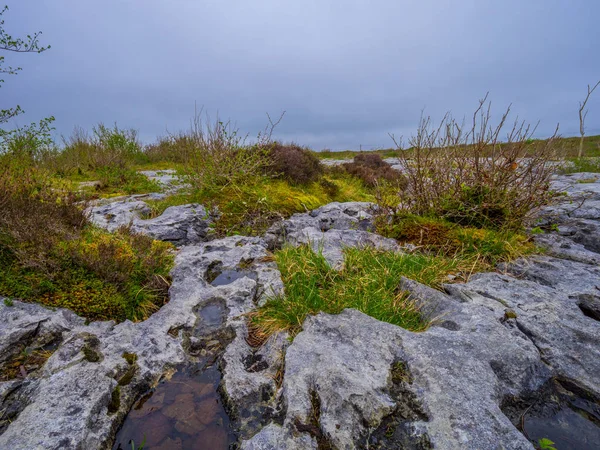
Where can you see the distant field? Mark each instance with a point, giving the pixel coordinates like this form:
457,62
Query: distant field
569,147
349,154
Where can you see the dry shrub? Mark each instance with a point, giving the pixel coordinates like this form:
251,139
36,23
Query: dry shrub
50,253
35,216
105,149
220,157
472,176
177,148
293,163
373,170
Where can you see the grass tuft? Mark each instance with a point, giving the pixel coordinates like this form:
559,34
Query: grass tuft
368,282
441,237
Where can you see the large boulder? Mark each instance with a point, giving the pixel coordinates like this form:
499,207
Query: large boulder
180,225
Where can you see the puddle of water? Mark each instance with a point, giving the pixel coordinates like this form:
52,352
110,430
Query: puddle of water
228,276
569,430
212,315
183,413
563,413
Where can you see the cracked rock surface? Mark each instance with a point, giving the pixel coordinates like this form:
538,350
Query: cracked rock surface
331,228
346,381
180,225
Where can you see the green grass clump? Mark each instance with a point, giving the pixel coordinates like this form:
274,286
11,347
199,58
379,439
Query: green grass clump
98,275
485,247
370,278
591,165
108,156
113,180
368,282
51,254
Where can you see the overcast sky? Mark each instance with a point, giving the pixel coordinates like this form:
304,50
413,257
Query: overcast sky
347,72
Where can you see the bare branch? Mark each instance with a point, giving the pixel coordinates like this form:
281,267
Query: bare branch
583,114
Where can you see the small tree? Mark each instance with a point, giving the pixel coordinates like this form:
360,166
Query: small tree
583,115
30,44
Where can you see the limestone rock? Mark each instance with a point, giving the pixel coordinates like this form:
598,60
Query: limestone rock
118,213
330,229
168,179
65,406
181,225
274,437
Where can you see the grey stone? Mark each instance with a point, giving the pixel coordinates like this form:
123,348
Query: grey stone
181,225
337,216
118,214
331,243
275,437
501,335
563,247
347,360
330,229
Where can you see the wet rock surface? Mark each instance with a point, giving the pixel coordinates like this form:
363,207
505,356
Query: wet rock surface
76,401
511,356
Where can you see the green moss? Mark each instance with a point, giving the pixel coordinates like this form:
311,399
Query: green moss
131,358
90,354
439,236
400,373
98,275
127,376
252,208
115,400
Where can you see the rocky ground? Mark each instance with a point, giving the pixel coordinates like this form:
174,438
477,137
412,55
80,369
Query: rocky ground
501,346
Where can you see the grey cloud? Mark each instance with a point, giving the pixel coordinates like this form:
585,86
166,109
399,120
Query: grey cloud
347,72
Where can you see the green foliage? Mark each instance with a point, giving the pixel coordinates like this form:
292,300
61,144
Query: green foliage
50,254
178,148
115,400
100,276
31,142
369,279
108,156
441,237
591,165
18,45
546,444
124,180
368,282
140,447
252,207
